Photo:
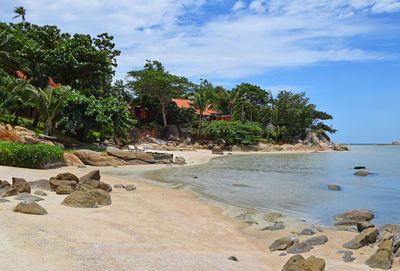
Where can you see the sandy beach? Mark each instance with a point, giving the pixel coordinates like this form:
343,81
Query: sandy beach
151,228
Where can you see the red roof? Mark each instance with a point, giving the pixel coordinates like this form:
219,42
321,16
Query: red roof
51,83
182,103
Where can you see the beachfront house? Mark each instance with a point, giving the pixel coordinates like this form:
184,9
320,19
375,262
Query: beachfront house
208,115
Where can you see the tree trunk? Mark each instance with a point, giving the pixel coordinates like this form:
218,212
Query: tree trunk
231,112
47,127
163,114
36,120
198,129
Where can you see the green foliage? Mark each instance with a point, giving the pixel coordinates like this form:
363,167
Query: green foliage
92,136
233,132
28,156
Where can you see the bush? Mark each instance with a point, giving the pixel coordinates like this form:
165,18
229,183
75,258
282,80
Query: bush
233,132
29,156
8,136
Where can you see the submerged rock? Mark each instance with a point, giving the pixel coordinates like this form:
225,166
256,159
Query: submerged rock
272,217
30,208
307,231
298,263
334,187
276,227
360,167
362,173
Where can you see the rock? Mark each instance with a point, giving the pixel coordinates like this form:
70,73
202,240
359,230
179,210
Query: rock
10,192
4,184
276,227
80,199
283,243
92,183
307,231
395,142
364,225
217,150
54,183
395,230
40,193
339,147
83,187
101,196
170,132
317,240
366,237
184,133
4,200
72,160
48,138
179,160
355,216
272,217
67,176
347,257
383,256
93,158
105,186
124,155
27,197
119,186
130,187
136,162
233,258
21,131
22,185
359,167
93,175
64,190
30,208
298,263
334,187
43,184
299,248
362,173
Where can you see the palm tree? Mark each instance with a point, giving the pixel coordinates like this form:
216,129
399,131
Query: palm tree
49,102
232,97
21,12
203,95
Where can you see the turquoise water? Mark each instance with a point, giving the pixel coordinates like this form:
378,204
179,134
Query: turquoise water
296,184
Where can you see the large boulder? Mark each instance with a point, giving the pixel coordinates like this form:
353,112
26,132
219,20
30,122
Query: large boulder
63,179
366,237
22,185
72,160
80,199
171,132
383,256
22,131
320,140
124,155
105,186
98,159
102,197
298,263
64,190
183,132
353,217
30,208
67,176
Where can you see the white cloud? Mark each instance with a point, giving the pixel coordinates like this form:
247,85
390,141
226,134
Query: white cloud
262,36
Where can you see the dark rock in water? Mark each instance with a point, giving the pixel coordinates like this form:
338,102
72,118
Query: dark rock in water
283,243
359,167
244,216
276,227
28,197
298,263
195,177
347,257
271,217
299,248
22,185
362,173
307,231
357,215
317,240
233,258
366,237
334,187
364,225
30,208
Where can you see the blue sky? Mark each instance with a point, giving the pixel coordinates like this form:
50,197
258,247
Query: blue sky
344,54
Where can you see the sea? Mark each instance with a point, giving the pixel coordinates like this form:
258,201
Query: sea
296,184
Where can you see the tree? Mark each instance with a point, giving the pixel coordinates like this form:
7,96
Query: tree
294,112
231,97
203,97
154,81
49,102
21,12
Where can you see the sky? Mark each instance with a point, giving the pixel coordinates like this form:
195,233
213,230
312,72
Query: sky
344,54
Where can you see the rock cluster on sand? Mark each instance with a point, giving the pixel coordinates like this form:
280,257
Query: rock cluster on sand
298,263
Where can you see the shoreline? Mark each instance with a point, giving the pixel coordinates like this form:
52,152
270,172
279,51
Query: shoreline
142,229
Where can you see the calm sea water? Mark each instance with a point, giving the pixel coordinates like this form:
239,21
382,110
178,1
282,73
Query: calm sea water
296,184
